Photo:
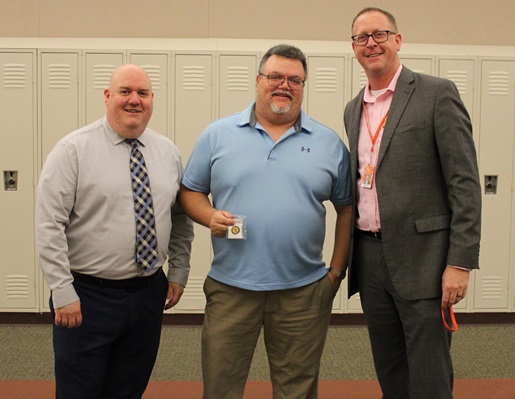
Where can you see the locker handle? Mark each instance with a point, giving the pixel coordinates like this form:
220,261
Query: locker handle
10,180
490,184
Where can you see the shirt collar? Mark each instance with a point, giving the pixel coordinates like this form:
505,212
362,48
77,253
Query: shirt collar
115,138
368,97
248,117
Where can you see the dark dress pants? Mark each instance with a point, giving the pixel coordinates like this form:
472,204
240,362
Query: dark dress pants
410,345
112,354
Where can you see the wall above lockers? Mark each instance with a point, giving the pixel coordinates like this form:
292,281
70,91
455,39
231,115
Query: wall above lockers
50,87
470,22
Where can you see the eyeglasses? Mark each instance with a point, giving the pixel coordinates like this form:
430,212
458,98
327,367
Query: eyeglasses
278,80
380,36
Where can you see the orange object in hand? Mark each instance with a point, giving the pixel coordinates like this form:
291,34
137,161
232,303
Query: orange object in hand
454,326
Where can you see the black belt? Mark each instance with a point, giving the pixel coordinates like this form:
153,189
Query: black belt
130,284
374,234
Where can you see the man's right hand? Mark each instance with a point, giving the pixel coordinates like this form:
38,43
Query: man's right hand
69,316
220,222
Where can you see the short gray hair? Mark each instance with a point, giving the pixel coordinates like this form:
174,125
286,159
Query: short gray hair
286,51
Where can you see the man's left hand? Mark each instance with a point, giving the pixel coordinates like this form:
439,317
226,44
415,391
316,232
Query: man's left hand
455,282
335,281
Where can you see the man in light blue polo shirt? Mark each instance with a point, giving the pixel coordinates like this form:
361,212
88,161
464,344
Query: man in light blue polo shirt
269,169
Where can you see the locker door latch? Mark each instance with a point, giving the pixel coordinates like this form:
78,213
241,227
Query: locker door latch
10,180
490,185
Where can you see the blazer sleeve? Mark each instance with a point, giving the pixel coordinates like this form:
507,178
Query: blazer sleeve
453,135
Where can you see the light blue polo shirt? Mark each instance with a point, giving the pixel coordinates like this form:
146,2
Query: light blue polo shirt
280,189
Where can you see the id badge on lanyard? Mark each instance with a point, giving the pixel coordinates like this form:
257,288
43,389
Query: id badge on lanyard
367,178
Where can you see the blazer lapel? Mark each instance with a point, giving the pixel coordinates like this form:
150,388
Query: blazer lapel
401,97
356,111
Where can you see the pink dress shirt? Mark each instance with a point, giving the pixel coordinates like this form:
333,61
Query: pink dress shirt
377,104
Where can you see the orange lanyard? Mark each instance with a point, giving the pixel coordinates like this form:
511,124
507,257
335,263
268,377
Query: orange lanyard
381,124
454,326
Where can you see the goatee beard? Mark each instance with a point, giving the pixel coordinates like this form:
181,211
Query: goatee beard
280,110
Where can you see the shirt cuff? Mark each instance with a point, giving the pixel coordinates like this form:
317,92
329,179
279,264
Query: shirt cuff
462,268
64,296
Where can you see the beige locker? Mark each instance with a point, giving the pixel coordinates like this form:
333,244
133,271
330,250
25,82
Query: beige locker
60,113
496,146
237,83
358,78
325,101
418,64
156,65
59,94
196,85
193,105
325,91
17,153
461,72
98,70
341,295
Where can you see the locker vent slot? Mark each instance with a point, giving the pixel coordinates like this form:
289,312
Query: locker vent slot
460,79
154,72
498,83
15,76
17,287
101,75
237,78
59,76
193,78
491,287
326,80
194,290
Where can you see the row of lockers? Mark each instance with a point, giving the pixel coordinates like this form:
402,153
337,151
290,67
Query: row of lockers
46,94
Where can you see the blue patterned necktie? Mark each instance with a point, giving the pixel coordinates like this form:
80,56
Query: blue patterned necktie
146,237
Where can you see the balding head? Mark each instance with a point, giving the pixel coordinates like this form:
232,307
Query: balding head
129,100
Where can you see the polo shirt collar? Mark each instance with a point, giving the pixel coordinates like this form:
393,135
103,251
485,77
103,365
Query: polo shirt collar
248,117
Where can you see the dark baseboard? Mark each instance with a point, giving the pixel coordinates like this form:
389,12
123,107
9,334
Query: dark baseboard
462,318
190,319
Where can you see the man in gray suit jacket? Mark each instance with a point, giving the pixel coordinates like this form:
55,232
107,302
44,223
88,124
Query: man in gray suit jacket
418,211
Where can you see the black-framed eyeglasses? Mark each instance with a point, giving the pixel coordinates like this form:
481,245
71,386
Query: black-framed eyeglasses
278,80
380,36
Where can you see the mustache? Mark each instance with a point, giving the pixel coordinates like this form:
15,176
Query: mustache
282,93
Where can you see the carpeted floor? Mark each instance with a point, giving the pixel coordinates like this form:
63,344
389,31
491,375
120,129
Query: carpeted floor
482,355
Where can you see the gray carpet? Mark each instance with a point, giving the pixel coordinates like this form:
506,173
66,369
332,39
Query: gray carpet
478,352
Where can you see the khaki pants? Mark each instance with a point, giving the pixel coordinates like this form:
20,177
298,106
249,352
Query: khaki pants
295,323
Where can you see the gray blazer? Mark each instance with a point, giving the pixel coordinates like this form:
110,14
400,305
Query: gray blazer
427,184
